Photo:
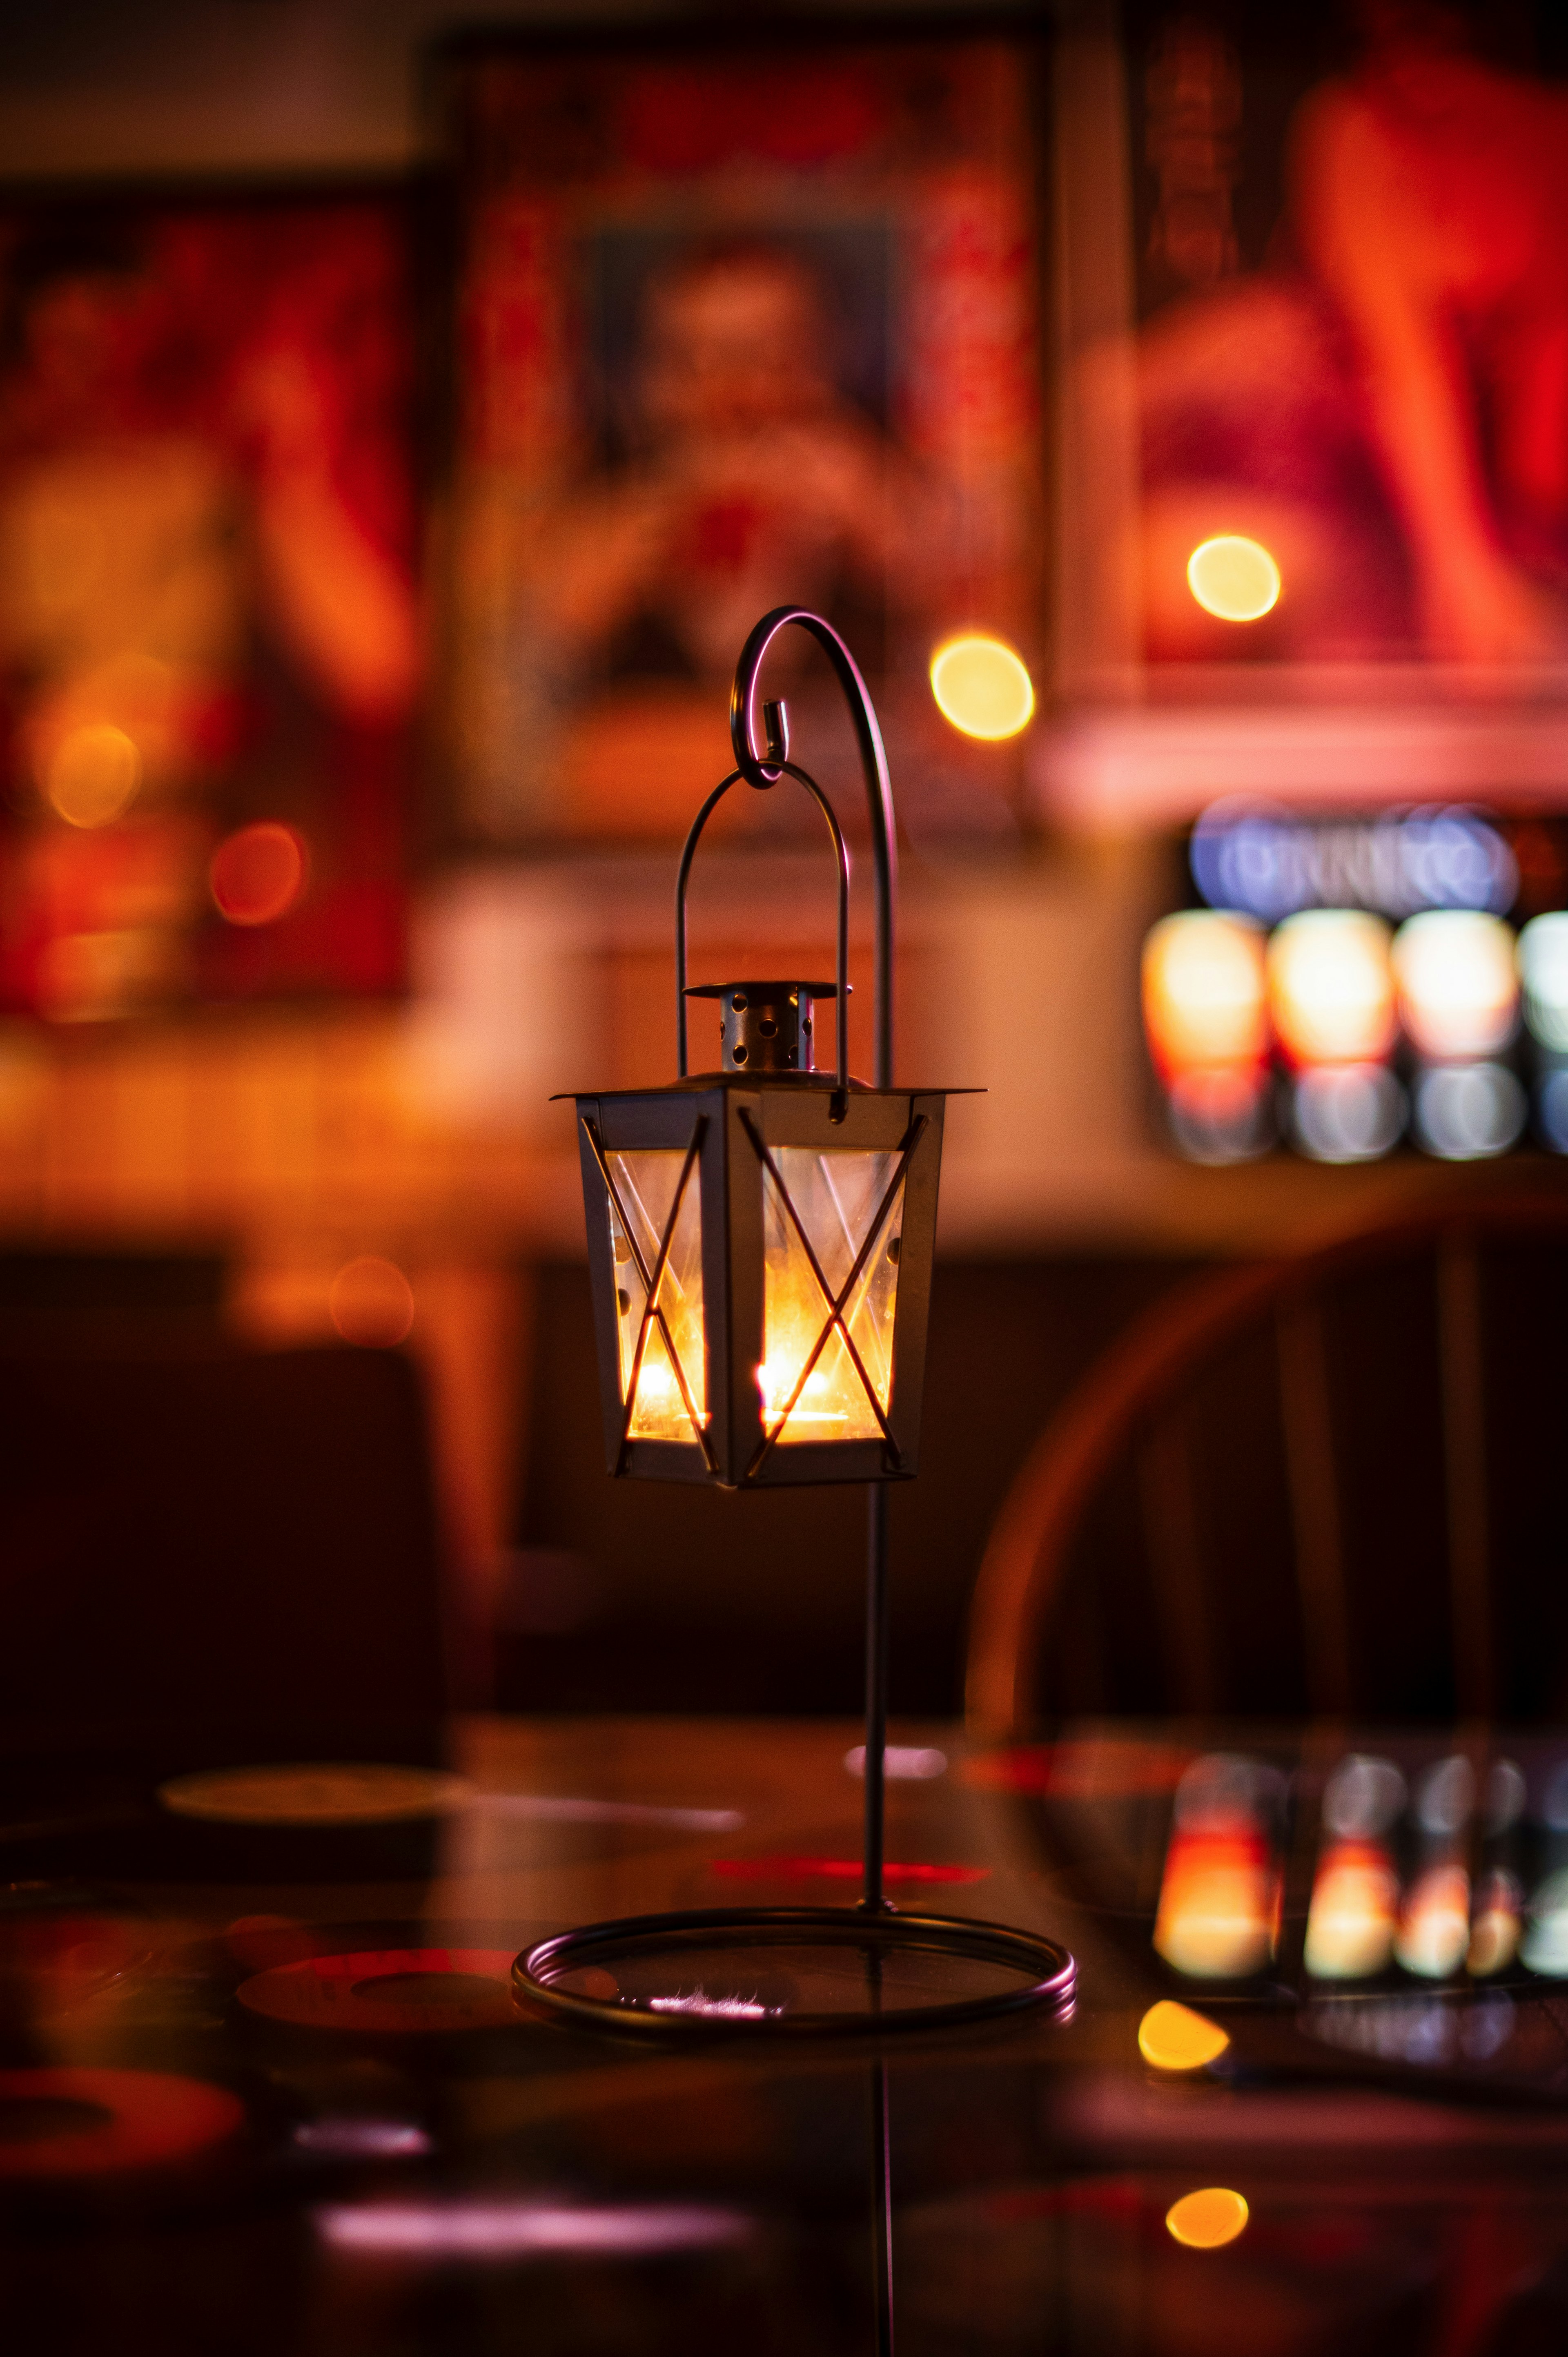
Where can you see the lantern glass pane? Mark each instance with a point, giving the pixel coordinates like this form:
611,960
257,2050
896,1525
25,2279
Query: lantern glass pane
836,1197
671,1393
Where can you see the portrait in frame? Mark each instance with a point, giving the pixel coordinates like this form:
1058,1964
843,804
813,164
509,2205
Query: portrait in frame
208,638
741,320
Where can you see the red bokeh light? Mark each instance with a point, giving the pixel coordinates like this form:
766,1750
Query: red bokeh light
258,872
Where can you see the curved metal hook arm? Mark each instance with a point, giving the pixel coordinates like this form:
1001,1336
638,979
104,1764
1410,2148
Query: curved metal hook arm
840,853
765,769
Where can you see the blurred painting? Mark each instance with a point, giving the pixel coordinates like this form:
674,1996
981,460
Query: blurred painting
207,647
739,326
1348,366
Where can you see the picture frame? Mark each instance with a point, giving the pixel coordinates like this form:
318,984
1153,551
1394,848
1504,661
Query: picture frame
214,434
745,314
1222,358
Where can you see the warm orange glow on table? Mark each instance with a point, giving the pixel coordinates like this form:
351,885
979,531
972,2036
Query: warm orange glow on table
1207,2220
1233,579
1173,2038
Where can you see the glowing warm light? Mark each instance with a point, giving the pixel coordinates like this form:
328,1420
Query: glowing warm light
1459,983
1233,579
1354,1914
371,1302
1542,954
1496,1926
983,687
1331,987
646,1182
1220,1892
1205,998
1207,2220
94,774
1218,1906
836,1197
1435,1931
1173,2038
258,874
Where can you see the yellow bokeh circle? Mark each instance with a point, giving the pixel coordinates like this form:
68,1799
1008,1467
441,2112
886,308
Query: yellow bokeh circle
1173,2038
1233,579
982,686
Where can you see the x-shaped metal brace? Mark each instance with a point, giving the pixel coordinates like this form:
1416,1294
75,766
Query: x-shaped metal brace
836,1318
653,1313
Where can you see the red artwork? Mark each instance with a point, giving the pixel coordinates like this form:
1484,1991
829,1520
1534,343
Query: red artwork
738,327
1353,348
209,656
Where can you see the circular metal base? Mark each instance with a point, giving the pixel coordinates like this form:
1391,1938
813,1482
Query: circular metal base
792,1971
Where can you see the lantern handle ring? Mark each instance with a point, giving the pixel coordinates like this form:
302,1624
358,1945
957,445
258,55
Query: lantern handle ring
764,769
840,851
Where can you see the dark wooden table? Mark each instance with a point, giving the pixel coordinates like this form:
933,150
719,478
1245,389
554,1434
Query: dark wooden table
265,2089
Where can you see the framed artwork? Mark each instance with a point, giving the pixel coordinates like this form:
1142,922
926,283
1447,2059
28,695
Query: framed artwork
208,655
1315,396
1345,314
741,320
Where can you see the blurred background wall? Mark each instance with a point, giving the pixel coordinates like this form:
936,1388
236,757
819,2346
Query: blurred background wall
382,1165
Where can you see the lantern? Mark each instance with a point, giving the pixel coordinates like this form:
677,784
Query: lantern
761,1240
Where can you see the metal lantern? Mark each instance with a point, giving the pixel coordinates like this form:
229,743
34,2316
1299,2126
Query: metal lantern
761,1240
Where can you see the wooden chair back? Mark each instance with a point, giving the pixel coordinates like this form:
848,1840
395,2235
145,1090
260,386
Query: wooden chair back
1335,1484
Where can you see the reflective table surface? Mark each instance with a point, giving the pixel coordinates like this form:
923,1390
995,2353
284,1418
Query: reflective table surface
265,2085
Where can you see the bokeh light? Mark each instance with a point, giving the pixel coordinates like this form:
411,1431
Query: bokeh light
1544,1947
1207,2220
1173,2038
1233,579
1434,1929
1464,1113
1354,1913
1347,1113
1551,1107
1542,958
1496,1924
1221,1112
1331,987
94,774
982,686
1459,983
258,874
1205,996
1219,1894
371,1302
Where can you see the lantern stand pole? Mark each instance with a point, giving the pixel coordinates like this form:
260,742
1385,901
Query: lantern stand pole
1042,1971
763,770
